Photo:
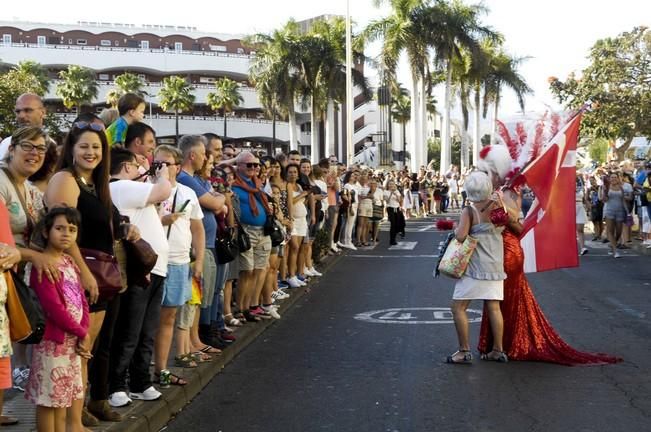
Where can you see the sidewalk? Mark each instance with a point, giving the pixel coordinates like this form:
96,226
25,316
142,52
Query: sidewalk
153,416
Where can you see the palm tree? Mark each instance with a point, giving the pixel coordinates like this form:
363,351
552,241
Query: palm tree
176,95
227,97
130,83
450,28
38,71
274,72
403,31
503,71
113,97
77,87
401,114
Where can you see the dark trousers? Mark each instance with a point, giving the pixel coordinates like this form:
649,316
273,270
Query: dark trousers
98,367
133,343
392,213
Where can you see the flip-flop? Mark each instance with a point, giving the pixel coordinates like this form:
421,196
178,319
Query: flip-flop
207,349
8,421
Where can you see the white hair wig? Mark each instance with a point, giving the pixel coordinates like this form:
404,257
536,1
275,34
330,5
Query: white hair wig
495,159
478,186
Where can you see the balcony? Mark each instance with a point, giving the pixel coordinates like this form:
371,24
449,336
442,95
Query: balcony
136,59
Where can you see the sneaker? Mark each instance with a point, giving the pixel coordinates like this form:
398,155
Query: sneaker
260,313
584,251
308,272
150,394
283,285
227,336
617,255
303,278
294,282
119,399
20,376
271,311
314,272
348,246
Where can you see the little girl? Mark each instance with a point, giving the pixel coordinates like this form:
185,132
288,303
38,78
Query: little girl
55,383
484,277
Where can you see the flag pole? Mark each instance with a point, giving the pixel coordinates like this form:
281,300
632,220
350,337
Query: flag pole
349,88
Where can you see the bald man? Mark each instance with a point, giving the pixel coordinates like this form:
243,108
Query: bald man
29,112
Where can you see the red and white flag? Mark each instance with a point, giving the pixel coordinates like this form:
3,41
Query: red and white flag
549,234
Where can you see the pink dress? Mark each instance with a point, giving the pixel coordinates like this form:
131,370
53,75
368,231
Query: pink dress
55,376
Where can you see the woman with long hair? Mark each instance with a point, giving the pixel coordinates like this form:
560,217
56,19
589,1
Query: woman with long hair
297,196
350,200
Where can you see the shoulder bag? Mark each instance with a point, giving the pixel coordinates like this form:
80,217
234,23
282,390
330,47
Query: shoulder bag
456,256
26,317
225,246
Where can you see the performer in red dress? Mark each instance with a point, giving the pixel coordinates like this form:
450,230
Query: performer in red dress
528,335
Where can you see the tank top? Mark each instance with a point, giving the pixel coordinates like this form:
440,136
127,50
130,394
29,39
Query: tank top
487,261
95,230
615,200
299,210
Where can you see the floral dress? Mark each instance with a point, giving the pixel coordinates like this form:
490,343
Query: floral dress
55,376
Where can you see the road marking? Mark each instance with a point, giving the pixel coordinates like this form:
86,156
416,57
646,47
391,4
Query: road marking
422,315
626,309
404,246
390,256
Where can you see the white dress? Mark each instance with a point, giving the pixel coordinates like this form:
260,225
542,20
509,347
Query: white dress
299,216
581,216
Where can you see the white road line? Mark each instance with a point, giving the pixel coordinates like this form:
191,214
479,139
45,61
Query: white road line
626,309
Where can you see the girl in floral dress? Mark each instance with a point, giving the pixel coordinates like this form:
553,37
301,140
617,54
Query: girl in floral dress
55,379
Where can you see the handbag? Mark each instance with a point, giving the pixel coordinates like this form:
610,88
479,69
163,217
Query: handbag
243,239
456,257
141,259
226,248
106,271
26,317
378,212
273,230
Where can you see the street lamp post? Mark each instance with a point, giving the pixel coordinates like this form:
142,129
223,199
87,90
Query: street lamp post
349,88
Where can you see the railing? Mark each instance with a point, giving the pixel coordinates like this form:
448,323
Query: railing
71,116
160,84
127,49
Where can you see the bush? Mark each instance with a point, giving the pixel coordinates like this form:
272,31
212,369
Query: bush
321,244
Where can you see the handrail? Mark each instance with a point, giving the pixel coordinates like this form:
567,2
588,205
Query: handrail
191,117
127,49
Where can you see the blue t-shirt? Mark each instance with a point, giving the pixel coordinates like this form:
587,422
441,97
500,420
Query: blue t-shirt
246,216
641,177
201,188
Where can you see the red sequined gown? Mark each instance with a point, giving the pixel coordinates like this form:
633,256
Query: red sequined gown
527,333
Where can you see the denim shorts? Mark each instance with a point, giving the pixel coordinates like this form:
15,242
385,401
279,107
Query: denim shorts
178,287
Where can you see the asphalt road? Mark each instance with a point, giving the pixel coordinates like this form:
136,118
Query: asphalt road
331,364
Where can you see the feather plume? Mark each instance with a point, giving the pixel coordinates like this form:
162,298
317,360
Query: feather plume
444,224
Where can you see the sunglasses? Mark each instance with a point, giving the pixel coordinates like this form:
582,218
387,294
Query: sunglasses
82,125
252,164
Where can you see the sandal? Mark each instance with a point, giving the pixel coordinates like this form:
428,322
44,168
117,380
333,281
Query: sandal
201,357
207,349
174,379
10,421
185,361
466,359
232,321
498,356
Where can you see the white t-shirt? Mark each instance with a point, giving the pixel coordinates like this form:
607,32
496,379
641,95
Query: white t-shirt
4,147
355,188
130,198
180,239
453,185
392,198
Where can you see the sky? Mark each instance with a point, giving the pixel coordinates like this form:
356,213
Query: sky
556,35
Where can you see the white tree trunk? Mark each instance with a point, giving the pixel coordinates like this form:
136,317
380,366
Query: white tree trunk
330,129
412,143
314,153
422,107
293,140
446,147
494,130
476,145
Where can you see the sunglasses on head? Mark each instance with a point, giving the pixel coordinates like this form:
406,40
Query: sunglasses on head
82,125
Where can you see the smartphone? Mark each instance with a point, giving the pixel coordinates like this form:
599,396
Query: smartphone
185,204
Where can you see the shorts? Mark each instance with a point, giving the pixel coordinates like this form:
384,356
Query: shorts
597,212
275,250
256,258
209,278
5,373
365,208
233,270
177,289
617,214
185,316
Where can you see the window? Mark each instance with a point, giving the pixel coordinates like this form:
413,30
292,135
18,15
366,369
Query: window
240,50
69,41
104,77
178,46
105,42
40,40
6,38
144,44
221,48
82,42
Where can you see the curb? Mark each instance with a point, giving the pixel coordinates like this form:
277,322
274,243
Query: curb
153,416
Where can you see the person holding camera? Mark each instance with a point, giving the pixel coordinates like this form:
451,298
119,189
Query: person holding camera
133,340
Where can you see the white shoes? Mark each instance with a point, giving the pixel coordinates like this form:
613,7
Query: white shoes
271,310
313,272
617,255
119,399
347,246
279,295
148,395
294,282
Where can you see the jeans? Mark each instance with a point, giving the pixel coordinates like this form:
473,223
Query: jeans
215,311
133,343
98,367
